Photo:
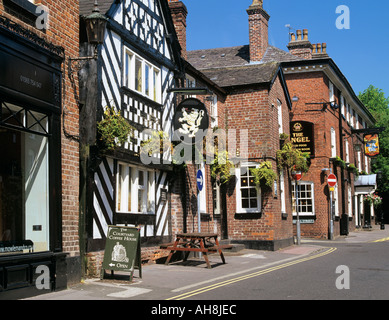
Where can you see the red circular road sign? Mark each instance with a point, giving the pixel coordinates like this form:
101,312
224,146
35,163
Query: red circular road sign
332,181
297,175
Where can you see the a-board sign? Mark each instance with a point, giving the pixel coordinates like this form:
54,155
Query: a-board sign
122,250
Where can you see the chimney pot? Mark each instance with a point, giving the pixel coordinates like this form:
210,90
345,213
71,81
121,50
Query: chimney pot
324,46
305,33
319,48
298,34
314,48
257,3
293,36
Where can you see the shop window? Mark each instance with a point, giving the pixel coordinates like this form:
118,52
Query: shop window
248,196
135,192
24,180
305,198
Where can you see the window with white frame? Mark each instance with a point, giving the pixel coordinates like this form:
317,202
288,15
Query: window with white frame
213,107
347,151
352,117
349,202
366,164
135,191
333,143
142,76
331,92
348,113
282,191
248,197
359,157
356,121
336,201
216,198
279,109
342,106
305,198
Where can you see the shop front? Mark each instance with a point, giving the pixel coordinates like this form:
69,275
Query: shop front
31,258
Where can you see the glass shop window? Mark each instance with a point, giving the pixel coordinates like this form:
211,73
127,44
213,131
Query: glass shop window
24,180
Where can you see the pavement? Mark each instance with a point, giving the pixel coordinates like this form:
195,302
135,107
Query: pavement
161,282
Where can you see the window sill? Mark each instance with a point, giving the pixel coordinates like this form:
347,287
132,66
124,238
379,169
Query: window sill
248,215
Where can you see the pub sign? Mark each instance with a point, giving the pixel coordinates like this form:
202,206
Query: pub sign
302,137
191,118
371,144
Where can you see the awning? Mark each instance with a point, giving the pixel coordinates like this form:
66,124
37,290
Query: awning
366,184
364,181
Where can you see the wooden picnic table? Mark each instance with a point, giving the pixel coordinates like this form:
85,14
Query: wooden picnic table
196,242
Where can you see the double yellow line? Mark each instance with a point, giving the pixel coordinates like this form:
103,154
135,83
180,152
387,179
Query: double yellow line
249,276
381,240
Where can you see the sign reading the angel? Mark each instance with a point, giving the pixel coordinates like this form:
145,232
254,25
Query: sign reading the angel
372,146
191,118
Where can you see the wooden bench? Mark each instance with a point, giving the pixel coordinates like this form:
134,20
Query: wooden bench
203,243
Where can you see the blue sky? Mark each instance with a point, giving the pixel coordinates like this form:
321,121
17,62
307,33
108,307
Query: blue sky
361,52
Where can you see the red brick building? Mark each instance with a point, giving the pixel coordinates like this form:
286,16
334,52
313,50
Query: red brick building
39,167
257,104
259,81
324,99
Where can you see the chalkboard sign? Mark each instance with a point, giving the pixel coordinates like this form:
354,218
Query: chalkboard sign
122,250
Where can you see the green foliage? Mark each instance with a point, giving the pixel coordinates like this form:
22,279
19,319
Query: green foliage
374,99
221,167
159,142
339,162
353,169
264,176
292,159
114,130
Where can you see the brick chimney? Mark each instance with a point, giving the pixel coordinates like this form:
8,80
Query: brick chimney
319,51
179,14
300,46
258,28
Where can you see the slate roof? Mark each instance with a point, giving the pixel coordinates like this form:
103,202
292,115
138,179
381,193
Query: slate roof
231,66
87,6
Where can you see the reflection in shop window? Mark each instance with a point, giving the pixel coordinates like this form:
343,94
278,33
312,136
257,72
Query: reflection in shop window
24,180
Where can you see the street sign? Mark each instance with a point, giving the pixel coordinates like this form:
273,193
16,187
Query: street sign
122,250
332,181
297,175
200,180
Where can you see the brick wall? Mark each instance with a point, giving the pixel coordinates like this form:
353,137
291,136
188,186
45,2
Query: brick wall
314,87
63,31
256,110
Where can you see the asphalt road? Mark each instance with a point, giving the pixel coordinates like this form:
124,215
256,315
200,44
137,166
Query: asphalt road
350,271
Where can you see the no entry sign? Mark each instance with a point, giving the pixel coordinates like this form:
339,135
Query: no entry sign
332,181
297,175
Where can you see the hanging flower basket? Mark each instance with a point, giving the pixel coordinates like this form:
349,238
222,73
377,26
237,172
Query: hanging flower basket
114,130
374,199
